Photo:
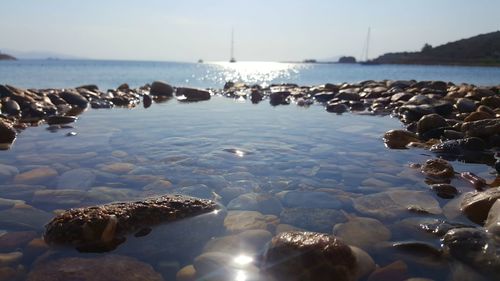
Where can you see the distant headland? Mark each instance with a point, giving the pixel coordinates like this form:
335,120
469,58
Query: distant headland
480,50
6,57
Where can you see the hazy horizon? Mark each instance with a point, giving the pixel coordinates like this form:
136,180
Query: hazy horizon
279,30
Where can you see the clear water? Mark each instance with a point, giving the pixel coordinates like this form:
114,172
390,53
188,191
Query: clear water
110,74
221,149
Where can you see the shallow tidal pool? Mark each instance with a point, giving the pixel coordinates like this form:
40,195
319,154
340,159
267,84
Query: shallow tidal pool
272,169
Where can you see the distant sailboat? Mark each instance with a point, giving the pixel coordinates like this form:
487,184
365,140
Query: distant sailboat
366,48
232,59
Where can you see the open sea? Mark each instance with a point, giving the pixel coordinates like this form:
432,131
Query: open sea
271,168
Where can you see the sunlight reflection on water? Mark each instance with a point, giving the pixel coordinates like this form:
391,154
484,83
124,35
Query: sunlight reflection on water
253,72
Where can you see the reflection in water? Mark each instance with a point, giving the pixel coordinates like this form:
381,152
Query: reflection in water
243,260
262,73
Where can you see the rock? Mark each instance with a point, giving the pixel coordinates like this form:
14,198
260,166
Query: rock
118,168
7,134
492,223
62,198
89,87
239,221
492,102
391,204
399,139
309,256
24,217
362,232
337,107
36,176
109,268
74,99
102,227
438,168
7,172
14,240
35,248
467,147
187,273
10,258
474,247
198,190
464,105
481,128
364,263
312,219
147,101
309,199
256,96
9,203
264,203
11,107
324,96
77,178
159,88
430,122
55,120
478,115
443,190
476,205
191,94
277,98
348,94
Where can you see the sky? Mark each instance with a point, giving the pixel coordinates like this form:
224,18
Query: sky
264,30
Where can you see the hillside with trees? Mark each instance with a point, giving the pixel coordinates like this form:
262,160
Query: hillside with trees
482,49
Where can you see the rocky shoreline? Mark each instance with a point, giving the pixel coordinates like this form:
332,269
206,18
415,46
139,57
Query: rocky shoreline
452,122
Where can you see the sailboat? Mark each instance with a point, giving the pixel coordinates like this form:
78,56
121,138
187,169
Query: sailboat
366,48
232,59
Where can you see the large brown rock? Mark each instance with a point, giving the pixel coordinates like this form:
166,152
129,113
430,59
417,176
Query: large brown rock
7,134
429,122
102,228
309,256
438,168
191,94
476,205
481,128
159,88
107,268
399,139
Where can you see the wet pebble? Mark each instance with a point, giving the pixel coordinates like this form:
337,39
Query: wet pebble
239,221
438,168
362,232
36,176
476,205
309,199
7,172
312,219
118,168
443,190
264,203
399,139
14,240
77,178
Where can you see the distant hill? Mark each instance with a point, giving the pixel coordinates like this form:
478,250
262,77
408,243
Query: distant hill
6,57
482,49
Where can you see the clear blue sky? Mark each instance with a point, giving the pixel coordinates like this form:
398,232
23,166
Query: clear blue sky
185,30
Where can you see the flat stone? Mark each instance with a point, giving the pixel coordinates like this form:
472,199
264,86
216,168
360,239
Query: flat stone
239,221
362,232
36,176
14,240
476,205
492,223
59,197
106,268
321,220
118,168
76,178
399,139
264,203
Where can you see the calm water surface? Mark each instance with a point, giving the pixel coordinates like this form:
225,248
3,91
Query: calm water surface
272,168
110,74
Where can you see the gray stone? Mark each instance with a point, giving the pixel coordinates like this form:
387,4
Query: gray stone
77,178
264,203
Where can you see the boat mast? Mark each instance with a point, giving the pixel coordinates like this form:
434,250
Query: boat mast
367,44
232,46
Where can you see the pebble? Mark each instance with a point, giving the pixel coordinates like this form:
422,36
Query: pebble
362,232
10,258
264,203
118,168
250,242
7,172
438,168
187,273
39,175
430,122
80,178
312,219
14,240
309,199
445,191
239,221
